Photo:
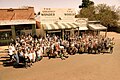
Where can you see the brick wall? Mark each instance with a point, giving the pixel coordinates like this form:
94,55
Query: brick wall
17,14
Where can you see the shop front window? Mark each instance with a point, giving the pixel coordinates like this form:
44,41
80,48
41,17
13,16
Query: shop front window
5,35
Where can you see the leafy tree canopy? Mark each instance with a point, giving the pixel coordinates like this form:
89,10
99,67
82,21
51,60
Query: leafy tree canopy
106,15
101,12
86,3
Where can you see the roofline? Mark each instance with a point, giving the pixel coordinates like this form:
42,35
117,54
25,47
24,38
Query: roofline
21,8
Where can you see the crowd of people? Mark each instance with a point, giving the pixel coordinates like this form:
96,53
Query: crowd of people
32,49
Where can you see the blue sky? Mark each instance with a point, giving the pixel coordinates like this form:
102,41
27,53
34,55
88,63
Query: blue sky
37,4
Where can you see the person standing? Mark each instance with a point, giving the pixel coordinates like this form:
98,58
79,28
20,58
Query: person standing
10,51
112,45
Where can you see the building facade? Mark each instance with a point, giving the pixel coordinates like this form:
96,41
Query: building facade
15,20
62,21
59,21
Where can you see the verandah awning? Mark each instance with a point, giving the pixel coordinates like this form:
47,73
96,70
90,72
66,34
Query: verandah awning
16,22
83,27
3,30
96,27
56,26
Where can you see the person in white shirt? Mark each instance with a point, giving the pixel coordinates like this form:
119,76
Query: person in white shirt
10,52
34,56
13,48
26,59
39,53
30,56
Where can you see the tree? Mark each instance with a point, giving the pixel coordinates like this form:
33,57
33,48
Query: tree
103,13
106,15
87,10
118,11
86,3
87,13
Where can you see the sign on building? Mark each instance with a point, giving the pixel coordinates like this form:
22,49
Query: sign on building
57,15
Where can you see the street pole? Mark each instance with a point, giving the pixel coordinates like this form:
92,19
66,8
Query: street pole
106,32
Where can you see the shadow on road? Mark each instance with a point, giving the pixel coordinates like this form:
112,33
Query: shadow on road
6,62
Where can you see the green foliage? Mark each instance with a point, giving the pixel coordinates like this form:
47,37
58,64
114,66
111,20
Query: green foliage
86,3
107,16
87,13
118,11
101,12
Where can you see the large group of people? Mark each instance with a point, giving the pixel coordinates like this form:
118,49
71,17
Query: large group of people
28,49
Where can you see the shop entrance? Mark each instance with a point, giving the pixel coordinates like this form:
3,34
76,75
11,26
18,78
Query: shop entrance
54,33
67,35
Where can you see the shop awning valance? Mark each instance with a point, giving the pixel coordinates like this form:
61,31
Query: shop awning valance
16,22
3,30
83,27
96,27
57,26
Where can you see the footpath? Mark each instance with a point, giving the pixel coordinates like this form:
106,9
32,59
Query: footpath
3,49
3,53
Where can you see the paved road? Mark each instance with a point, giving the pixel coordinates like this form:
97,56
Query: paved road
76,67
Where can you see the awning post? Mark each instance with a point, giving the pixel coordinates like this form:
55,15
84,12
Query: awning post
78,32
13,32
33,29
63,33
106,33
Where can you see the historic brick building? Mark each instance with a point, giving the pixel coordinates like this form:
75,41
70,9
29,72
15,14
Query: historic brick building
17,14
17,19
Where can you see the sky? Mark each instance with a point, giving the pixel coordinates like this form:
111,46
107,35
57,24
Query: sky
37,4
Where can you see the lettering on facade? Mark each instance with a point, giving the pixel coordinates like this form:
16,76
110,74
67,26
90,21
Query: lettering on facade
57,14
